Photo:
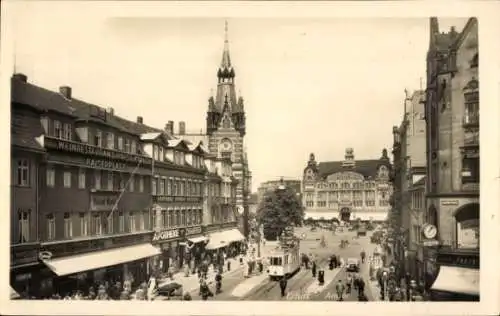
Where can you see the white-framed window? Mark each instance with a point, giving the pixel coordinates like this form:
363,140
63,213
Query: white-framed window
120,143
131,222
98,138
51,176
110,180
162,186
133,147
84,224
81,178
131,185
121,222
141,184
110,141
127,145
109,223
24,226
68,226
164,218
153,186
51,227
97,224
58,132
22,174
67,179
97,179
67,131
141,223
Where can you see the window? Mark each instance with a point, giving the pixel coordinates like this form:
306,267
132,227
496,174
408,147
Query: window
153,186
67,179
145,217
133,147
67,131
122,183
97,179
310,203
169,187
131,183
110,141
51,227
98,138
45,124
51,176
131,222
24,226
164,219
97,224
471,113
127,145
162,186
141,222
467,227
171,218
121,222
183,217
81,178
110,180
175,188
120,143
68,226
109,223
22,177
141,184
153,219
470,170
58,133
177,218
84,225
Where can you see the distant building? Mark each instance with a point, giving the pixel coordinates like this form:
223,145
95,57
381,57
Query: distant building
267,186
253,203
347,190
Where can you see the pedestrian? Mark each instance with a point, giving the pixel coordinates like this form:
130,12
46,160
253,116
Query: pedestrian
361,286
229,265
348,283
261,266
283,283
187,297
340,290
313,269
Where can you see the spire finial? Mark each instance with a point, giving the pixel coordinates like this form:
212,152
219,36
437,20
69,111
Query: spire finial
226,60
225,32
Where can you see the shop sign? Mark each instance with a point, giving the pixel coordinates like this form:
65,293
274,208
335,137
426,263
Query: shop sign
449,202
23,257
166,234
193,230
430,243
86,149
467,261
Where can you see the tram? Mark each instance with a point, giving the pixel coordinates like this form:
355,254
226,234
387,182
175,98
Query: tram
284,261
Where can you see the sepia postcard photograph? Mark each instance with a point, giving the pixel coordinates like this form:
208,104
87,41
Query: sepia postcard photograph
251,158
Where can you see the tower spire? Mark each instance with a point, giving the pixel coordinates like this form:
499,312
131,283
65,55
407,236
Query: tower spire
226,60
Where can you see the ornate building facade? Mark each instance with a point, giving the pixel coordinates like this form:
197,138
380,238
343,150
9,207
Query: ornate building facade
347,190
225,131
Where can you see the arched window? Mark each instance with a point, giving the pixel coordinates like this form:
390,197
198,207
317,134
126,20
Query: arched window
467,227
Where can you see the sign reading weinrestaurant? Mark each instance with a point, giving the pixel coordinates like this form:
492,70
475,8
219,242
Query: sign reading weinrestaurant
86,149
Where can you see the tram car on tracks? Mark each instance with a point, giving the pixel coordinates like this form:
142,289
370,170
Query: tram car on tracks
284,261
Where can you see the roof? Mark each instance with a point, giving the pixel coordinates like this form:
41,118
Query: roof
46,100
368,168
150,136
23,133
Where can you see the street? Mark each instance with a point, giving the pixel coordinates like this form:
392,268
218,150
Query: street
302,286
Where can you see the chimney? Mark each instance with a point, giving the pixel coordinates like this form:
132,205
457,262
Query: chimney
169,127
140,120
182,128
65,91
20,77
111,111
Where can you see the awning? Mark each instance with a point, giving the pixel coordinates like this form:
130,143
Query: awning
457,280
13,294
100,259
223,238
321,215
198,239
370,216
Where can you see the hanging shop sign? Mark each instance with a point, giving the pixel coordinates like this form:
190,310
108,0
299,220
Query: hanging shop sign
86,149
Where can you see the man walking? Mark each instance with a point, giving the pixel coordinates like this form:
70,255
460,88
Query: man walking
313,269
283,284
340,290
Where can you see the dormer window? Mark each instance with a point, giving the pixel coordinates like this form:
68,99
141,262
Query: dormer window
160,153
45,124
58,133
67,131
98,138
127,145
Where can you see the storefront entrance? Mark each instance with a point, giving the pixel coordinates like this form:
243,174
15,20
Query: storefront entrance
345,214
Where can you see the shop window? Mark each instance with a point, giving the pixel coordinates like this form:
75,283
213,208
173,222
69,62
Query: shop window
51,227
121,222
51,176
467,227
81,178
22,176
67,179
24,220
84,224
68,226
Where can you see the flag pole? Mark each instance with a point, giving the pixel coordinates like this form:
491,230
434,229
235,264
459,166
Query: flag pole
124,189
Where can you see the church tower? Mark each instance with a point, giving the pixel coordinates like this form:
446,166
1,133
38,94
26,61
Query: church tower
226,123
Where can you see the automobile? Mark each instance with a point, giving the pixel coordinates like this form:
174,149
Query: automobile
352,265
313,229
170,290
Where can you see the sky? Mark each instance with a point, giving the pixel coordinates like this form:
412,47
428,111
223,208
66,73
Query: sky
310,85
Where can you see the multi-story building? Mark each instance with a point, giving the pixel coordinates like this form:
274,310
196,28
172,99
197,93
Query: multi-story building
225,131
410,161
416,267
347,190
267,186
452,116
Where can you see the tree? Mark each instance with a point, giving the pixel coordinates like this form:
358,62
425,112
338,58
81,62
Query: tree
277,210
